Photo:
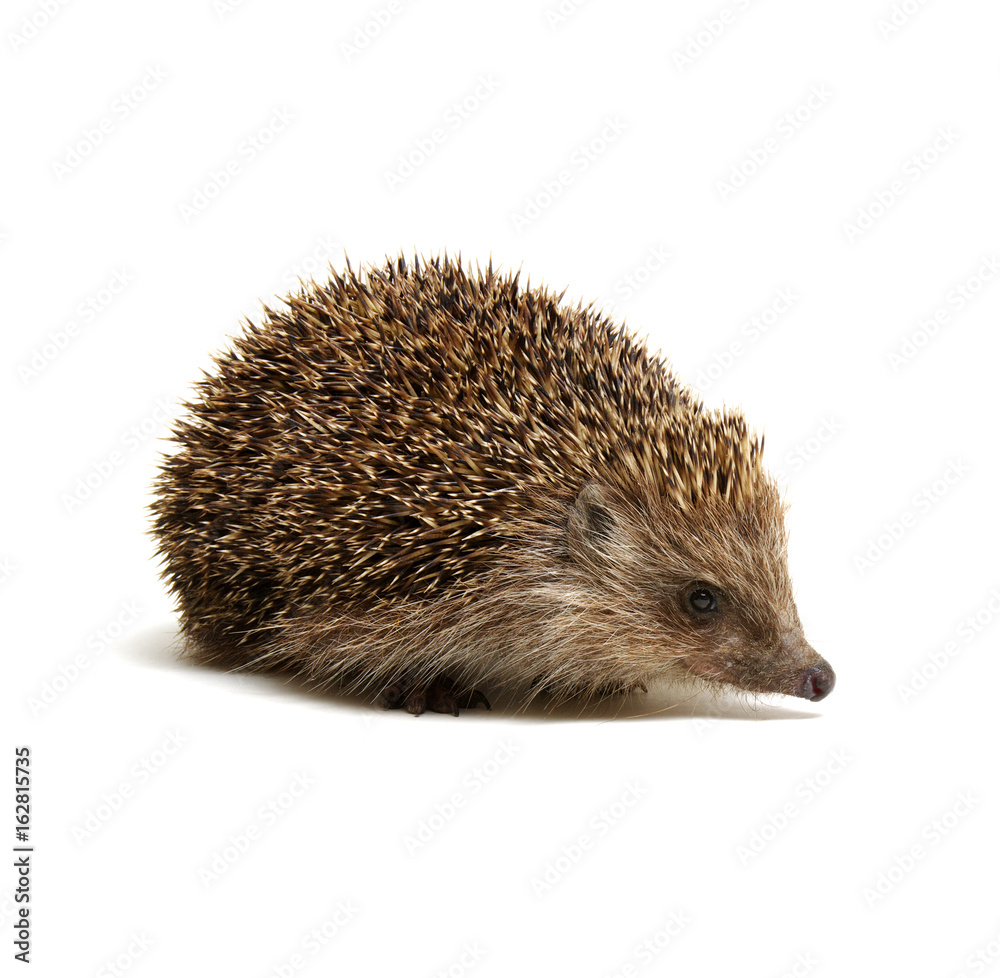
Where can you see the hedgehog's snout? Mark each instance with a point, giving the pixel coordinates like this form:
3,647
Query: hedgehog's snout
815,682
815,678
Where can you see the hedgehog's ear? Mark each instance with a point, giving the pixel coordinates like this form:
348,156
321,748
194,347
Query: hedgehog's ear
590,517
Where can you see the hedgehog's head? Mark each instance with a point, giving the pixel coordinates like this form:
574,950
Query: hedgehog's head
702,583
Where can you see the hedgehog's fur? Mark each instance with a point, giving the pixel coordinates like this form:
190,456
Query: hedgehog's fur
422,480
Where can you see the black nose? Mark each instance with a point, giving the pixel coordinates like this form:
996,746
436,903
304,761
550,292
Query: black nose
815,683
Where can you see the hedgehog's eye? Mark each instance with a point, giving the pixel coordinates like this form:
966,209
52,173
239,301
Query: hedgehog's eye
703,600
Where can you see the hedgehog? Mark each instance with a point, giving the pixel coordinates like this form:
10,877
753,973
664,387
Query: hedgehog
424,482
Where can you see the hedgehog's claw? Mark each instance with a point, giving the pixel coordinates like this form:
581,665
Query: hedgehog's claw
474,699
438,696
392,696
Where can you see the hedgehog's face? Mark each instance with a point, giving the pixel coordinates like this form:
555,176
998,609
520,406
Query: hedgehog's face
745,634
708,594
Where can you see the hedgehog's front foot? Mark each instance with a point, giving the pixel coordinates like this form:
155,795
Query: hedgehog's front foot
438,696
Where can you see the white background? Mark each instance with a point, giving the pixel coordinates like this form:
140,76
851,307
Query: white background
758,838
